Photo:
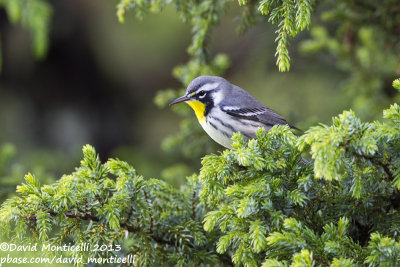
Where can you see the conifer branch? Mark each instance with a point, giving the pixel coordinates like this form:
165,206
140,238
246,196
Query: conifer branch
385,165
150,211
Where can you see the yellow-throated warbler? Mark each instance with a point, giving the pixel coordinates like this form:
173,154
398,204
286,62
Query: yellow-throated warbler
223,108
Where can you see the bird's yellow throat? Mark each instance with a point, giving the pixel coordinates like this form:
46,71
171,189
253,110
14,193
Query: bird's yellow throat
198,108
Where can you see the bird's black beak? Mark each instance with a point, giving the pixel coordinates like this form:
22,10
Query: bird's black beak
179,100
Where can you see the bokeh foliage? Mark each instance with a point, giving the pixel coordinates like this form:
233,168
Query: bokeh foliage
290,16
7,152
43,163
33,15
364,38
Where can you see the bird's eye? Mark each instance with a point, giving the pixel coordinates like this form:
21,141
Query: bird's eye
201,94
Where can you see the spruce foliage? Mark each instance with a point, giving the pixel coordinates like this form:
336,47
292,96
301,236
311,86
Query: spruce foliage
109,204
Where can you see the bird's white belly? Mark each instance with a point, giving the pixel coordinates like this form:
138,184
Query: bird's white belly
217,135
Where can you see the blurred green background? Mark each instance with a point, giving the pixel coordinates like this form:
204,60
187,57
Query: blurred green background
99,78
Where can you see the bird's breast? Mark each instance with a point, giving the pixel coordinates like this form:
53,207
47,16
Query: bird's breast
218,128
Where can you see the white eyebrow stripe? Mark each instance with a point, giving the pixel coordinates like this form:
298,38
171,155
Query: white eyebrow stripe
207,87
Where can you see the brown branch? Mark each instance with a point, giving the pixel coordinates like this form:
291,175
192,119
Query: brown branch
193,206
321,260
85,216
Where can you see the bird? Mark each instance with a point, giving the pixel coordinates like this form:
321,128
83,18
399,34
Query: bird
223,108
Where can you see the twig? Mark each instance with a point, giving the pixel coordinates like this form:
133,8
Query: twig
193,206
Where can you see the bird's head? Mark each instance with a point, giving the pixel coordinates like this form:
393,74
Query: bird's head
203,93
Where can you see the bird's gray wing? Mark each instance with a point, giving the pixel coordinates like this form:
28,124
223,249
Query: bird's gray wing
259,114
241,104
